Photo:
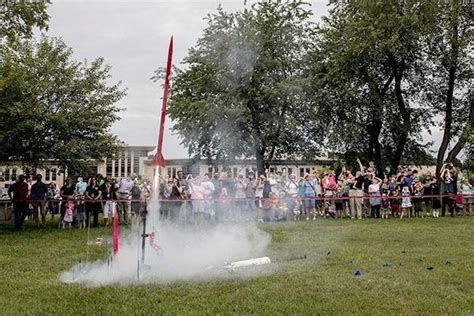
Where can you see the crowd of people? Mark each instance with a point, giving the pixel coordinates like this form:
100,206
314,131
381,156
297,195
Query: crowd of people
266,197
78,203
277,196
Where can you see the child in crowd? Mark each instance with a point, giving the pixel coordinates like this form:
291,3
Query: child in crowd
395,203
339,201
385,205
406,202
435,202
69,215
468,198
417,199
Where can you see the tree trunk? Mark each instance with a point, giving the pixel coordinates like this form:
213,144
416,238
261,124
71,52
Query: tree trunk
259,154
453,61
448,119
465,136
406,122
375,128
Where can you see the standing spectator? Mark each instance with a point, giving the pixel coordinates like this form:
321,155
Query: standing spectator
216,196
53,194
175,197
291,188
436,202
93,196
136,194
123,194
209,189
428,190
67,193
197,194
375,200
81,187
339,202
406,202
449,178
39,193
109,194
18,193
417,200
395,203
467,200
385,205
241,203
309,197
357,193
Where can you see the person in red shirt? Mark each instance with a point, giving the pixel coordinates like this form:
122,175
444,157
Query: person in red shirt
18,193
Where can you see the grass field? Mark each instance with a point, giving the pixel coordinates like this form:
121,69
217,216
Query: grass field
324,283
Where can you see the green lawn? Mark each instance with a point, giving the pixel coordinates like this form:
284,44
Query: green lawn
324,283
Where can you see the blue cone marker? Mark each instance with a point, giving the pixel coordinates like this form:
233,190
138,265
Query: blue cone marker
402,264
357,273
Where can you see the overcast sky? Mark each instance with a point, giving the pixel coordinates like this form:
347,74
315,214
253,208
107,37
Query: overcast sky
133,38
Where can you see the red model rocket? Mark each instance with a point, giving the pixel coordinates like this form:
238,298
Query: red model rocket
158,160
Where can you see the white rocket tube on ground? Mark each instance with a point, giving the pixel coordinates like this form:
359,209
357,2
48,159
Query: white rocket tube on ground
246,263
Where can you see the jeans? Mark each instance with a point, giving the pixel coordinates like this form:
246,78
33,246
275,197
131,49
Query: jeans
20,210
375,211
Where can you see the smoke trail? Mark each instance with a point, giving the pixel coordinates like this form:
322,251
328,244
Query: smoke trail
187,254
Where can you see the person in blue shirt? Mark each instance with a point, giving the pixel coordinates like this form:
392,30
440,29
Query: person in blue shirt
309,201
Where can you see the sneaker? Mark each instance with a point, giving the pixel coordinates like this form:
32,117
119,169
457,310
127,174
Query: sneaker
314,218
307,218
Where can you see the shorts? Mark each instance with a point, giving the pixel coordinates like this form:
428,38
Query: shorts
109,207
309,202
386,210
198,206
339,206
406,205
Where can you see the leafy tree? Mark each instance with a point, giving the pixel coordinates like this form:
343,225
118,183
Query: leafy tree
366,75
18,18
53,107
242,91
448,90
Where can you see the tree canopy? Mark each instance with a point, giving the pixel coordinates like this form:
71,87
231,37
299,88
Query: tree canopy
53,107
242,91
368,81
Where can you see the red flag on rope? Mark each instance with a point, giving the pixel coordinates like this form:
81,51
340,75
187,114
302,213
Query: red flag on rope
158,160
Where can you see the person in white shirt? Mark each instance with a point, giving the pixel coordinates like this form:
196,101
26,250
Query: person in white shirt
123,195
209,188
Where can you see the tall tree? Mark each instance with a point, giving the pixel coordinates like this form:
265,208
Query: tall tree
53,107
242,91
449,88
366,72
19,18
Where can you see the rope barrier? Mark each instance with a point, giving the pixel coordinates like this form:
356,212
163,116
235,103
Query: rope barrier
227,199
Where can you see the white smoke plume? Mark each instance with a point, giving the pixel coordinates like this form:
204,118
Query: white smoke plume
187,254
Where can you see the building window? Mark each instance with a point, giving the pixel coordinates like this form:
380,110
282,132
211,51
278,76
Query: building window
7,174
47,174
13,176
234,172
108,171
129,166
290,171
209,171
301,172
171,172
54,172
